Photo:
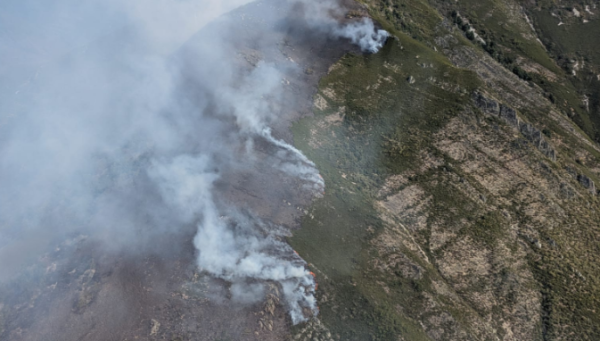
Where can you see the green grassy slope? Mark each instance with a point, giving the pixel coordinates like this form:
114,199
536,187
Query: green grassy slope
389,118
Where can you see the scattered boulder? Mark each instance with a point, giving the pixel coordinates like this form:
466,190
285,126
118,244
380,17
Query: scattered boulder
566,191
584,180
533,241
155,327
572,172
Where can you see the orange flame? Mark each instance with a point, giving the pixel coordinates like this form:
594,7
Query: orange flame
315,277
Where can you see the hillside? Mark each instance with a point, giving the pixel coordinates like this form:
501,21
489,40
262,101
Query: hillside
460,164
403,170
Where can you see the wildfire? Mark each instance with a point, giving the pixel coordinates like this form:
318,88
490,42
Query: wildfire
315,277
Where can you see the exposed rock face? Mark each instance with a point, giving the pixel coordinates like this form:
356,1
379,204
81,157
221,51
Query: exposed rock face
587,183
534,135
509,115
490,106
486,104
582,179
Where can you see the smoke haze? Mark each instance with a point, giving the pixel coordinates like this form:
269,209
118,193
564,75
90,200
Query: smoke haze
121,122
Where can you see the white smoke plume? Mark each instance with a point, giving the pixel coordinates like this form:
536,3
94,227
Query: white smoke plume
232,247
364,34
108,128
324,15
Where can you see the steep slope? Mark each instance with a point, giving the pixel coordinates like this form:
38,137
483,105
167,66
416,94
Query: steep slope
460,163
84,287
460,199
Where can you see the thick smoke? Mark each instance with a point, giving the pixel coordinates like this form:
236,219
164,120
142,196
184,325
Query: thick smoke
84,86
121,135
325,16
230,245
364,34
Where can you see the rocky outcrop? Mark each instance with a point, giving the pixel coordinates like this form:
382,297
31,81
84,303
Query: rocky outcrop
587,183
490,106
509,115
534,135
583,180
487,105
